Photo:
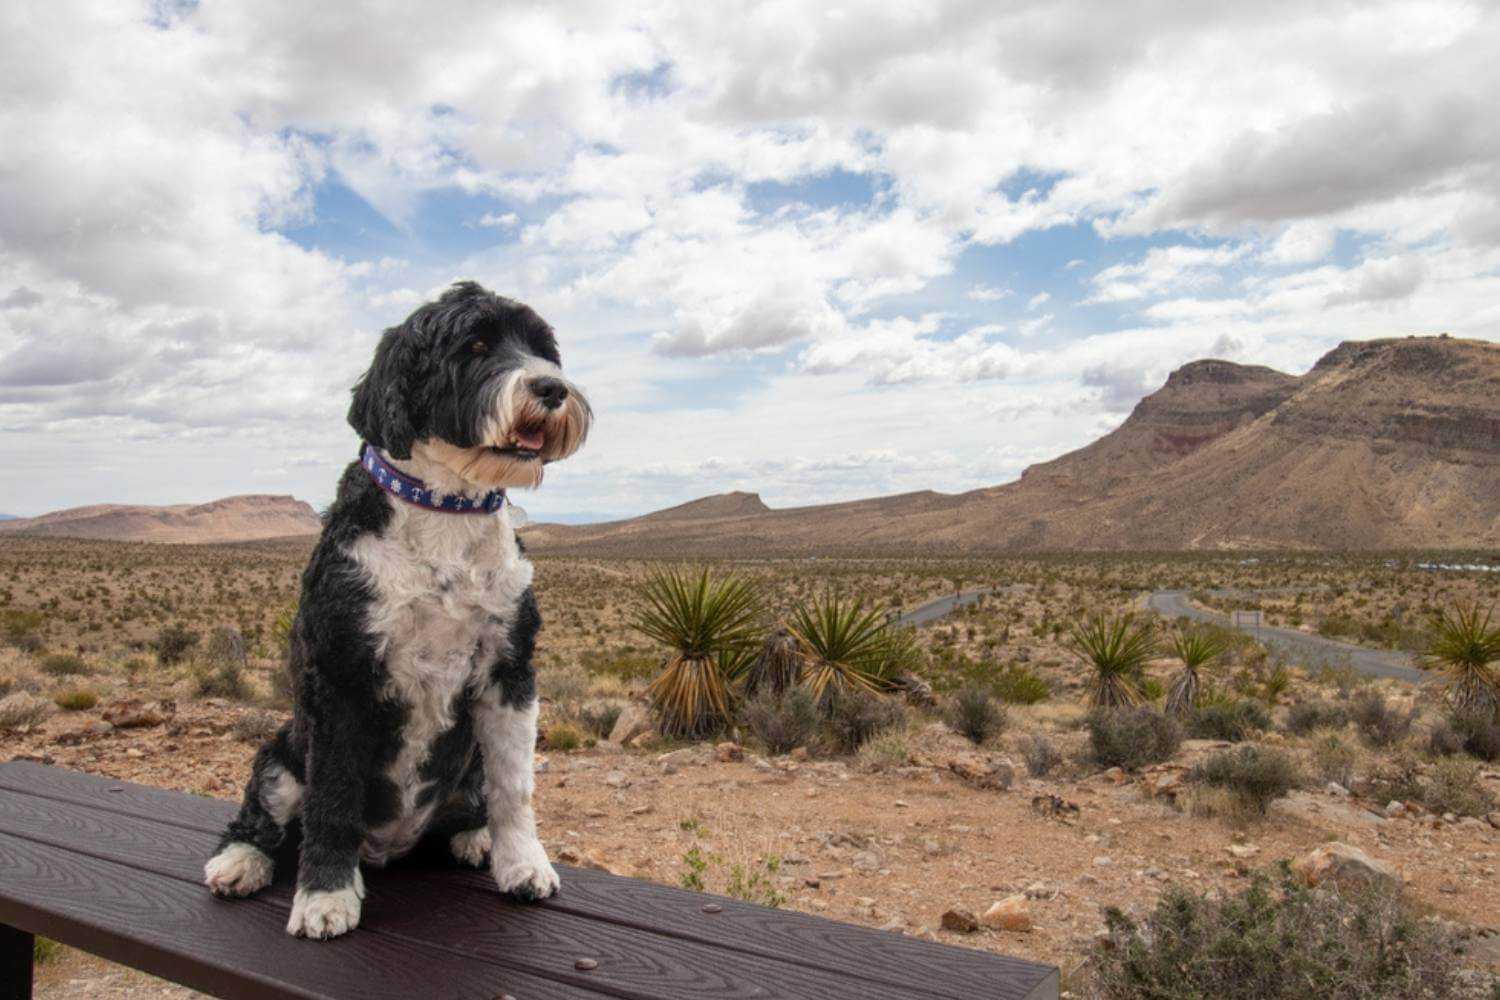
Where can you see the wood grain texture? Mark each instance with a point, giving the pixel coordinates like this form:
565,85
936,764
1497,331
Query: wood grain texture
644,932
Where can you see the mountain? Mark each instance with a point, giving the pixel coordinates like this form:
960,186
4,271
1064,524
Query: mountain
1384,444
8,517
232,519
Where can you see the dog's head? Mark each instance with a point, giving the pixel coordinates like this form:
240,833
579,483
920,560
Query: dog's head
472,382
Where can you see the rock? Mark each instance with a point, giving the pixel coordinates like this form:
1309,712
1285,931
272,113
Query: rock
19,705
1013,913
634,720
984,771
918,692
960,920
1039,890
799,754
865,861
1115,776
583,859
728,752
1103,861
79,734
1242,851
678,758
648,740
1394,809
1494,819
132,713
1336,790
617,779
1164,784
1344,865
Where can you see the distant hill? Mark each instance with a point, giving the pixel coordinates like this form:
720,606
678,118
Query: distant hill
1384,444
232,519
8,517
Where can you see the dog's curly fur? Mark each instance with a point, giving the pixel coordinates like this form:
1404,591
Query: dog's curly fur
415,699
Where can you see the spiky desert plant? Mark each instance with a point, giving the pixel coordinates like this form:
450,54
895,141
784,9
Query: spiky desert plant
776,667
709,623
846,648
1196,648
1463,646
1117,648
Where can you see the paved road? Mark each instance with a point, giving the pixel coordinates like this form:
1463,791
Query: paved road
1310,650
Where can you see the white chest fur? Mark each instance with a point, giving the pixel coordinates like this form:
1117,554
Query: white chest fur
446,591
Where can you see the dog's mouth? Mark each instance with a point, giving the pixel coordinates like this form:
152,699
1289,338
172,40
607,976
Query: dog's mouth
526,443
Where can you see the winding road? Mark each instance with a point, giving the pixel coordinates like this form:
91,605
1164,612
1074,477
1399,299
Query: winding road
1309,650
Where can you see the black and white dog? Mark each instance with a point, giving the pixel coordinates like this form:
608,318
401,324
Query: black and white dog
415,710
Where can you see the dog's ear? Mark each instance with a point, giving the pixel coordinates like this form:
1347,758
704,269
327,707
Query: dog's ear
386,409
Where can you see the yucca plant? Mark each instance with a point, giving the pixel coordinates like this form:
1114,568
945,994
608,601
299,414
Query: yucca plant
777,666
1463,646
1117,647
710,625
846,648
1196,648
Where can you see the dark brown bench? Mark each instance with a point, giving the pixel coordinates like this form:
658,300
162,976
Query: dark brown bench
114,869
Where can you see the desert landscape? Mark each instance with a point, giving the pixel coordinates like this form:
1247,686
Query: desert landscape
983,803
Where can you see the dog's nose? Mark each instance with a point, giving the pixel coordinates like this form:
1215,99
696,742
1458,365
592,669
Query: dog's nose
549,391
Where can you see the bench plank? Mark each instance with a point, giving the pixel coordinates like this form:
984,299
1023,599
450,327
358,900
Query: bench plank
168,928
917,968
425,906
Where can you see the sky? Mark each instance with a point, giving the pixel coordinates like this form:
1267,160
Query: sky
819,251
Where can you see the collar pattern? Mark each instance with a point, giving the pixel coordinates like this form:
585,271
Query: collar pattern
417,493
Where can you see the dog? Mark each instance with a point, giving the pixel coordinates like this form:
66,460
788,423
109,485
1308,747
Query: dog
415,707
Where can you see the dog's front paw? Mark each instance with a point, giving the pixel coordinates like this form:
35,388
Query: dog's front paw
238,870
526,873
322,914
471,846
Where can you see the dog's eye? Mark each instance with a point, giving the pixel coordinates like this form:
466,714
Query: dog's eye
479,347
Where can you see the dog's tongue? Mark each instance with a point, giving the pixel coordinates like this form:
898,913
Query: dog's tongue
530,440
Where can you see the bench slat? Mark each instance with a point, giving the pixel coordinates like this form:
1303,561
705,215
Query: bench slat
427,907
167,927
914,966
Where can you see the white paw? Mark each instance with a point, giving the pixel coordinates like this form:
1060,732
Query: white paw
525,873
471,846
238,870
320,914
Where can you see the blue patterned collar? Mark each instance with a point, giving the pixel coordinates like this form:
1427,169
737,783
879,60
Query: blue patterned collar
417,493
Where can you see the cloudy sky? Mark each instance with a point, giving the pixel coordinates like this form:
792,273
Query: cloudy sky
817,250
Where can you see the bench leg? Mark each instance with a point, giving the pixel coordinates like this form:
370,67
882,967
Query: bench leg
15,964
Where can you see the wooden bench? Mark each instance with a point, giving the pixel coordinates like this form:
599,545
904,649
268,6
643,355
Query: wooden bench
114,869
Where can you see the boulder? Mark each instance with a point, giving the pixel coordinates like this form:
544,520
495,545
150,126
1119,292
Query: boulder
960,920
984,771
132,713
729,752
634,720
1013,913
1344,865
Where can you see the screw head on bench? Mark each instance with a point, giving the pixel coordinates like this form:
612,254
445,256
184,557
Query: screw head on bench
712,908
586,965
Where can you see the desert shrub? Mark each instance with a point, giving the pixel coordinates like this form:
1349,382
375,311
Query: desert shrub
22,629
1397,779
134,669
1306,716
853,717
885,751
256,727
1252,776
78,699
1152,689
974,713
1474,733
1017,685
776,667
1379,723
43,950
782,722
564,736
1454,786
1333,760
22,709
1041,757
1132,738
172,644
281,630
563,686
1276,684
1116,650
599,717
219,672
1276,941
62,665
1232,720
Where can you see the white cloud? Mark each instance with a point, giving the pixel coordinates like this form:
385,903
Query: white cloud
1038,300
986,293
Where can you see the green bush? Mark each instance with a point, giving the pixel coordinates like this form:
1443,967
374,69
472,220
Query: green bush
1380,724
782,722
974,713
1397,779
1454,786
1474,733
600,717
1306,716
1041,757
1132,738
220,671
1281,941
1253,776
853,717
1232,720
22,629
173,643
563,737
62,665
76,699
1016,685
1333,760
